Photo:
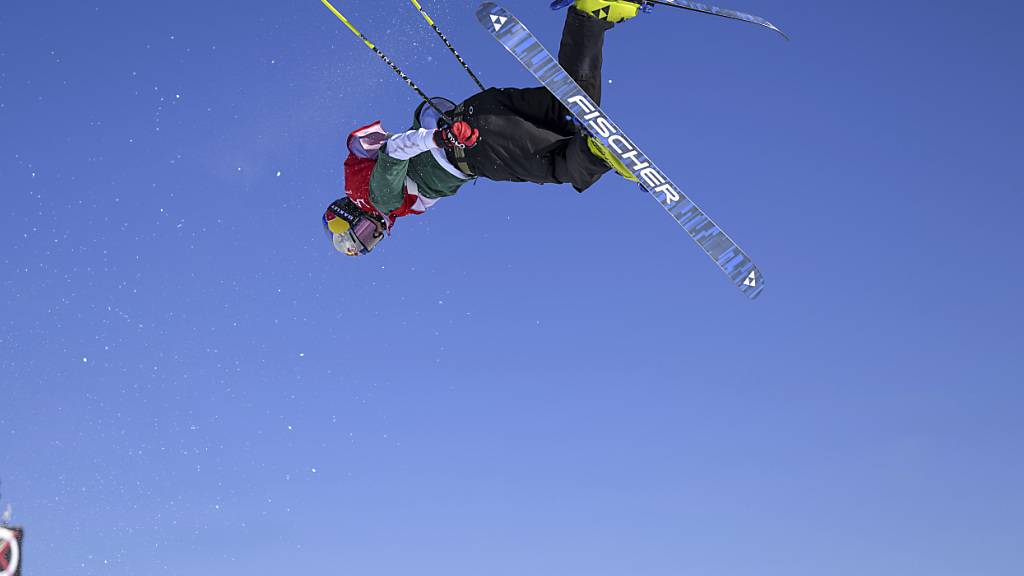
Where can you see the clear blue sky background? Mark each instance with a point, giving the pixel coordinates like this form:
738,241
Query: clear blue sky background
192,381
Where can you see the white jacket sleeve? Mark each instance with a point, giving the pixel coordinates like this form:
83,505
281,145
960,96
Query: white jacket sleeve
408,144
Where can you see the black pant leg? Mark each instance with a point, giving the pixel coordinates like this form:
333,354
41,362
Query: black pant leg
539,107
575,164
581,52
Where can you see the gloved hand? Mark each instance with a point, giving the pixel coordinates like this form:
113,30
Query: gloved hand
457,135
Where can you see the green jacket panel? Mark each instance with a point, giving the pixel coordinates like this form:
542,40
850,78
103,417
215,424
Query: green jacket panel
387,181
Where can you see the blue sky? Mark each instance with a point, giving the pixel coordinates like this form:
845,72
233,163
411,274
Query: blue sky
526,380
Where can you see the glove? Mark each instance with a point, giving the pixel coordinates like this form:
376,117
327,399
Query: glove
457,135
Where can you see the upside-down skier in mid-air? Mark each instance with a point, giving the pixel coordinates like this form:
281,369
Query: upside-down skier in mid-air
512,134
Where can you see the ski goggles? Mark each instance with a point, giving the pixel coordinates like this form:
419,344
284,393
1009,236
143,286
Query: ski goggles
351,231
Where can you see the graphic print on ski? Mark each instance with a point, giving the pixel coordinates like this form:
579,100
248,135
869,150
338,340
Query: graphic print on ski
512,34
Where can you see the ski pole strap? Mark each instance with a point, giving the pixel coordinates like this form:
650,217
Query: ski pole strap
458,154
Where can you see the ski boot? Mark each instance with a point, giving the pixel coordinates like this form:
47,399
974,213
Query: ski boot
613,161
608,10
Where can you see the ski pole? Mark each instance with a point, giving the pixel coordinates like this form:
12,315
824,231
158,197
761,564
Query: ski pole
448,44
382,56
716,11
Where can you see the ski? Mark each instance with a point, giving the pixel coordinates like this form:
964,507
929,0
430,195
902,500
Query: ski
716,11
515,37
694,6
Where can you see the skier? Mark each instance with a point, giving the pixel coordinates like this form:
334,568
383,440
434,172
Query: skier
511,134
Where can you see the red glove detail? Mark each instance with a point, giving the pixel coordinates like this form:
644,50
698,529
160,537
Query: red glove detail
465,133
458,135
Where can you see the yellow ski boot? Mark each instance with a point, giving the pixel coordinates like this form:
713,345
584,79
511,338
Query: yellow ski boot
608,10
613,161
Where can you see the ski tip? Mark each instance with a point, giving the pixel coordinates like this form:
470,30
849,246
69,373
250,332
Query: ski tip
484,11
752,284
781,33
493,17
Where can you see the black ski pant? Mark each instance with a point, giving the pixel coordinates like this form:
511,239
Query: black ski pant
526,134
